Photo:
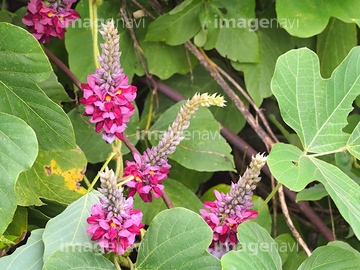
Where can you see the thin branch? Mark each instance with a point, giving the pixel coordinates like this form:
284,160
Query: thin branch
63,67
232,95
290,223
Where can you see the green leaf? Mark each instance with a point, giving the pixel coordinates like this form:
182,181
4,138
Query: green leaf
203,148
19,224
332,257
179,195
334,43
94,147
257,251
54,90
177,239
295,169
69,228
26,257
22,65
315,108
77,257
162,59
54,176
313,193
308,18
264,218
189,178
18,148
178,27
229,23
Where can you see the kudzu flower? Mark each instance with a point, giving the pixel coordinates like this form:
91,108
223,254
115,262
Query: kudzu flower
107,94
147,178
46,21
151,168
228,211
113,222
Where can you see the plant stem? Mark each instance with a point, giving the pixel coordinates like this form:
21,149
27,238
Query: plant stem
272,194
110,157
94,31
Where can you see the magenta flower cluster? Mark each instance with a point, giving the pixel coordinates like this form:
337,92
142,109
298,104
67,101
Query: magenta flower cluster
224,222
147,178
107,94
46,21
113,223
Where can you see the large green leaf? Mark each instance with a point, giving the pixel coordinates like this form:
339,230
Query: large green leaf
69,228
258,250
317,110
179,195
55,176
22,65
307,18
77,257
18,148
177,239
26,257
335,255
334,43
203,148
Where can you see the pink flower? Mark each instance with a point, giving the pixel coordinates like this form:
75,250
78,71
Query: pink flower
109,110
107,94
114,233
224,220
147,178
45,21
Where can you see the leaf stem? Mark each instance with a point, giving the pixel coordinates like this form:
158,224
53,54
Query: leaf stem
329,153
273,192
110,157
94,31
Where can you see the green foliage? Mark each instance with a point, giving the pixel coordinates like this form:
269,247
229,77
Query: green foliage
301,92
176,236
310,96
257,251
